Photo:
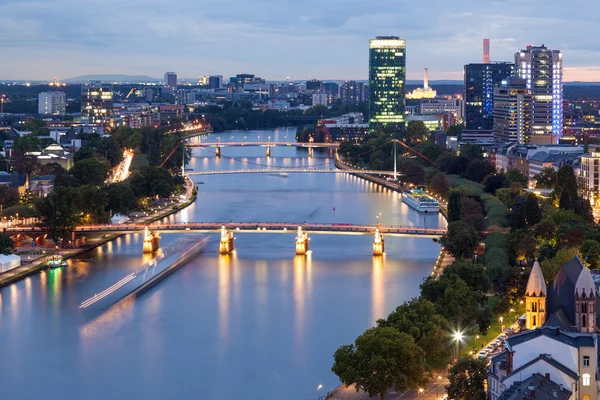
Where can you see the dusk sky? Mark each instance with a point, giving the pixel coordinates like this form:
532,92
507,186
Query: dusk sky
275,39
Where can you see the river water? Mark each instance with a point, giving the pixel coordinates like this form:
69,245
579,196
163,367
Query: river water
260,323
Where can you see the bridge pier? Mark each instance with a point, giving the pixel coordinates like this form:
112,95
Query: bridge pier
218,151
301,242
310,152
40,239
268,151
151,241
378,243
226,245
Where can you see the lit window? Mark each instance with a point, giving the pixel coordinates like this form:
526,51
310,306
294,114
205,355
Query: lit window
586,379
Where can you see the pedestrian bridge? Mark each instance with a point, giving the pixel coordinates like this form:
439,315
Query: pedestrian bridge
248,227
279,171
264,144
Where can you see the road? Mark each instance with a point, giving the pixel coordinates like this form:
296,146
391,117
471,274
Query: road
432,391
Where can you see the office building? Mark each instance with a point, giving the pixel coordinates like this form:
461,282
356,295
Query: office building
333,88
52,103
97,101
590,174
238,81
171,80
480,81
347,127
320,99
387,80
353,92
512,112
542,70
314,84
215,82
442,106
486,51
203,80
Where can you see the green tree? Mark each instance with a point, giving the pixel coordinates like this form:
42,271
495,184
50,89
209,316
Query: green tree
109,148
92,203
590,251
516,176
84,153
494,182
439,184
6,244
467,380
454,130
546,179
566,188
531,212
473,274
420,319
90,171
460,240
551,266
478,170
545,230
416,131
153,181
57,212
9,196
121,198
27,143
454,206
471,151
379,360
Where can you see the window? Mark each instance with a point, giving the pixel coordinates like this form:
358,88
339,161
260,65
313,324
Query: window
534,307
586,361
534,322
586,379
583,321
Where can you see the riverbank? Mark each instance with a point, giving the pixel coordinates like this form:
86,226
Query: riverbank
13,276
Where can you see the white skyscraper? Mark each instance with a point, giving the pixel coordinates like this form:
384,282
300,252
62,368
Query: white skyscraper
542,70
52,103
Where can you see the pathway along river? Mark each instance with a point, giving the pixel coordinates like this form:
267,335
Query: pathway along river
260,323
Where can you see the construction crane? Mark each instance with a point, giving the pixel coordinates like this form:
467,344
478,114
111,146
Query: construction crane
130,93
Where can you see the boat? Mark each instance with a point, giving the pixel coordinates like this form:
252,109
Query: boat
57,261
421,201
284,174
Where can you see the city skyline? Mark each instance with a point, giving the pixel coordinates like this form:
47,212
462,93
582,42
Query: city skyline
62,39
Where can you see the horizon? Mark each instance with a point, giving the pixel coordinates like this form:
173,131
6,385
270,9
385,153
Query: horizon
277,40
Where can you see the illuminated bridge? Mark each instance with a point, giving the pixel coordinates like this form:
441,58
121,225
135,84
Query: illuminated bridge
278,171
264,144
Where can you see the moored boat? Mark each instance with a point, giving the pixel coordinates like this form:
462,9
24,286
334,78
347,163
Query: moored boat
421,201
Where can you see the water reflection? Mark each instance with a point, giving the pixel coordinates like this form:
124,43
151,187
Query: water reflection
378,309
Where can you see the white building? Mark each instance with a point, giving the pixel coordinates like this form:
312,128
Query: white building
319,99
590,174
52,103
8,262
442,106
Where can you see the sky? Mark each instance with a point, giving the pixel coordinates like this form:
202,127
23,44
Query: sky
276,39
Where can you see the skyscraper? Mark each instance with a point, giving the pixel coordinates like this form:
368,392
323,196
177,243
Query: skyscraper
171,80
353,92
215,81
387,79
97,101
480,81
52,103
542,70
512,112
486,51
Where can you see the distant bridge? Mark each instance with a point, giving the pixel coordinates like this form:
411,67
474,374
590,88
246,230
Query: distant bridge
247,227
264,144
278,171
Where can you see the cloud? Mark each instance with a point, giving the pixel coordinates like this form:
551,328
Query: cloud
275,39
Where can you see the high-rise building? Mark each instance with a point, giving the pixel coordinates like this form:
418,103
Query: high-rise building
480,81
353,92
52,103
542,70
486,51
97,100
203,80
314,84
215,81
333,88
512,112
171,80
238,81
319,99
387,80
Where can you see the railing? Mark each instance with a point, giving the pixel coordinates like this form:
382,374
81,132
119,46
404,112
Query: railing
289,170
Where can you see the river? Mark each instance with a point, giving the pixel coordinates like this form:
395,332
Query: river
260,323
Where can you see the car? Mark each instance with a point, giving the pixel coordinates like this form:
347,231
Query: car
510,330
482,354
490,347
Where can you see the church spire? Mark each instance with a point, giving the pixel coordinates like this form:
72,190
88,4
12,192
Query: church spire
535,298
585,302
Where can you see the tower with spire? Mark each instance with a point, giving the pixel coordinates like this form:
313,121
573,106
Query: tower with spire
585,302
535,298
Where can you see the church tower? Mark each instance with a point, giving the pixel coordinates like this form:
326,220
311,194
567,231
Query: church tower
585,302
535,298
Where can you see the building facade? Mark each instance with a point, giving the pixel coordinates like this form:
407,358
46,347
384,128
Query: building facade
171,80
52,103
541,68
590,174
480,81
353,92
512,112
320,99
215,82
387,81
97,101
314,84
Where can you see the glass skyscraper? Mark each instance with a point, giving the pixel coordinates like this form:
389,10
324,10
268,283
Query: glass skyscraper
542,70
480,81
387,78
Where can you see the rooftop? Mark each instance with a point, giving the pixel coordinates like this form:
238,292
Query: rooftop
535,387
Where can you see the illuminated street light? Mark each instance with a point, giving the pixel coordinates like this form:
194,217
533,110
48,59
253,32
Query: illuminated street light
319,391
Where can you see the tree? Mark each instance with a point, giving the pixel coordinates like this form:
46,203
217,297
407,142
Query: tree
439,184
454,130
9,196
590,251
471,151
473,274
545,230
516,176
6,244
454,206
153,181
24,163
27,143
380,359
550,267
478,169
494,182
546,179
416,131
121,199
467,379
420,319
92,203
413,172
84,153
531,212
57,212
566,188
473,212
460,240
92,171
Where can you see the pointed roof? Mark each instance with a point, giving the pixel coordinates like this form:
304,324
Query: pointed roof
585,286
536,286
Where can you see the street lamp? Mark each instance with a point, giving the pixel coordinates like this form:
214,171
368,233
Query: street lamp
319,391
458,336
421,390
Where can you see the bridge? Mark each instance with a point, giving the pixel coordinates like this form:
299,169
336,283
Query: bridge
264,144
277,171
